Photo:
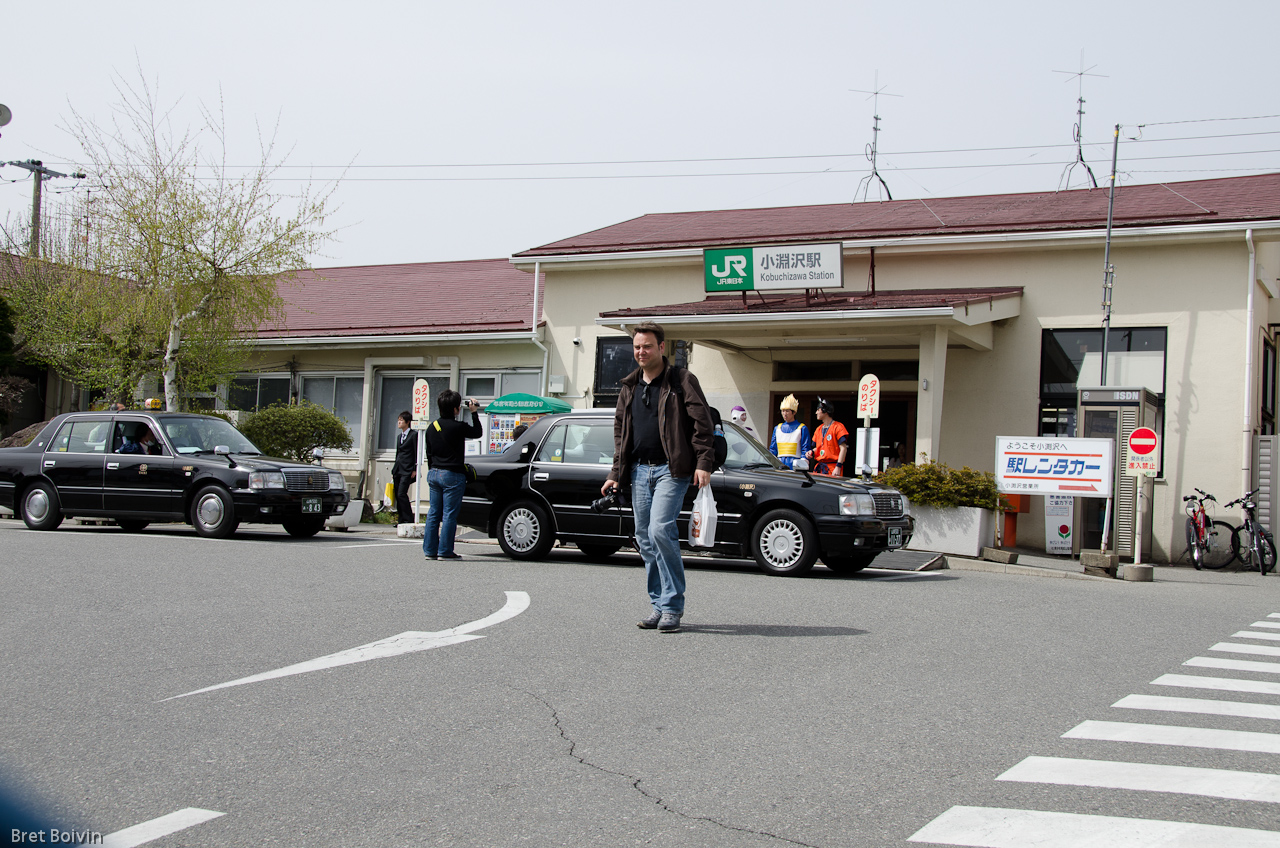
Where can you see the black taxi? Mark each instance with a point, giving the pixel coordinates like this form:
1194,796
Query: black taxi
542,487
144,467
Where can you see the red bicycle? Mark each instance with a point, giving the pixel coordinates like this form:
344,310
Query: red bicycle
1208,541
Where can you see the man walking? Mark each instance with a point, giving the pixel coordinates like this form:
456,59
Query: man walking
405,470
831,444
662,436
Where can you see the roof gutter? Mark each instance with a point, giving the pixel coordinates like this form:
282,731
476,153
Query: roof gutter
784,317
392,340
1223,228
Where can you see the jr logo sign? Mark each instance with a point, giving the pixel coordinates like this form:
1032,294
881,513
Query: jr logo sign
728,270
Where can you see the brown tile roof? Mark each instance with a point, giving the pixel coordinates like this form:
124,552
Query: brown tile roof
1202,201
771,302
479,296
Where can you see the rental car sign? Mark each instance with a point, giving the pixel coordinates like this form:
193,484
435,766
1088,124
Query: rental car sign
1052,465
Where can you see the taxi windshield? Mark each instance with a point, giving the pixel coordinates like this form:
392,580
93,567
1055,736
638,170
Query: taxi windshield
190,435
745,451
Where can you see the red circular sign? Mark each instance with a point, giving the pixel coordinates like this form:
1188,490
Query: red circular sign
1143,441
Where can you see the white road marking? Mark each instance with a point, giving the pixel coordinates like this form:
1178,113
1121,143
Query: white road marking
1186,737
404,643
1145,777
1224,684
990,827
156,828
1232,648
1234,665
1275,624
379,545
1201,706
1273,615
1249,634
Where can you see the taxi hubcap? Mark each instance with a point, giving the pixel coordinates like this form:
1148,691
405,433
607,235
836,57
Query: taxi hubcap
521,530
38,505
210,511
782,542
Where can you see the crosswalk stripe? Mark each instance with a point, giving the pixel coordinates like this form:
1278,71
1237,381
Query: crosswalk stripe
1234,665
1186,737
1249,634
1223,684
1275,624
992,827
1147,777
1273,615
1202,706
150,831
1233,648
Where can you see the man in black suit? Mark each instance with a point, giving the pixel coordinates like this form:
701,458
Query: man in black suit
405,471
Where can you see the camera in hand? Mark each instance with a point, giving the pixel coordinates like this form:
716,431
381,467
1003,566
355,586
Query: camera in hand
608,502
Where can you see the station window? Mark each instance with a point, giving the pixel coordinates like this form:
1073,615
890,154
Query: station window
1072,359
343,396
253,393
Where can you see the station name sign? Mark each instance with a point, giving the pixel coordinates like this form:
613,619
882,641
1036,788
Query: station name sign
794,266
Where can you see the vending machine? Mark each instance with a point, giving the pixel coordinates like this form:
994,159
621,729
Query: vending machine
1113,412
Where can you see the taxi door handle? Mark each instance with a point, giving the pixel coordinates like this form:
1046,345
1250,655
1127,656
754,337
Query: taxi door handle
112,466
50,463
541,475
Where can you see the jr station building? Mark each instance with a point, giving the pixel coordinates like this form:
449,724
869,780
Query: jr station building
981,316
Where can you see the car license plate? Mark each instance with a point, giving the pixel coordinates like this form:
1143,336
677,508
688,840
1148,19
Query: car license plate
312,505
895,537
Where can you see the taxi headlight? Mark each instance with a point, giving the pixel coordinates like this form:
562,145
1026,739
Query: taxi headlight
266,479
336,481
857,505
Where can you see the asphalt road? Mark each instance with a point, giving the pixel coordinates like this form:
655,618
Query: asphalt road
821,711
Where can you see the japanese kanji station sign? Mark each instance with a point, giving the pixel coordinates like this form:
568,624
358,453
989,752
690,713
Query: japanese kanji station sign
1053,465
795,266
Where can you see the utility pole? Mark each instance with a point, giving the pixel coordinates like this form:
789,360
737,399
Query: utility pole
39,173
1108,270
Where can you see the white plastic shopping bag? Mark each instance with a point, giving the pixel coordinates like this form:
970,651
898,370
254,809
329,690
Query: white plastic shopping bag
702,523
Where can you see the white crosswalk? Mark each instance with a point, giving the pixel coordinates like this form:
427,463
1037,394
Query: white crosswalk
996,827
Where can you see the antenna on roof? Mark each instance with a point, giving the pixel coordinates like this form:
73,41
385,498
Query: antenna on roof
1076,132
865,183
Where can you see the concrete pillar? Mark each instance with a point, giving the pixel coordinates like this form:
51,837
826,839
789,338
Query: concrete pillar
930,391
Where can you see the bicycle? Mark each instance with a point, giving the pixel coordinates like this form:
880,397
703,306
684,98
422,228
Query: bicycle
1207,540
1251,543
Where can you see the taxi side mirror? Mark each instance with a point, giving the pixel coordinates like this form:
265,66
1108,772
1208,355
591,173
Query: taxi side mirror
800,464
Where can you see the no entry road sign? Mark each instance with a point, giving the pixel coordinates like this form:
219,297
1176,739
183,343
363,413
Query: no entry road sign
1144,453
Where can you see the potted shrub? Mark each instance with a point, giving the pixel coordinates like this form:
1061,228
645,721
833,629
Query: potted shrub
954,509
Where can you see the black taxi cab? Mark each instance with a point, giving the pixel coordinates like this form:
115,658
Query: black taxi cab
542,488
144,467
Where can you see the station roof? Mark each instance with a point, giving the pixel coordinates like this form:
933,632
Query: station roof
1223,200
477,296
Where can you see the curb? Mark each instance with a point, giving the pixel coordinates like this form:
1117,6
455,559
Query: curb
1024,570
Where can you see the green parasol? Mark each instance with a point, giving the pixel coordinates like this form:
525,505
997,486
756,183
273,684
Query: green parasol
519,403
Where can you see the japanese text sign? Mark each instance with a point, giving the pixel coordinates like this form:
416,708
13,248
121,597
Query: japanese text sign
869,397
421,399
1052,465
1144,453
797,266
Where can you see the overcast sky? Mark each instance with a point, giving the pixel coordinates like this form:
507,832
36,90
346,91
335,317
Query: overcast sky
409,93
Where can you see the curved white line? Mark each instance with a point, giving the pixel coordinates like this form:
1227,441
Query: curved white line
408,642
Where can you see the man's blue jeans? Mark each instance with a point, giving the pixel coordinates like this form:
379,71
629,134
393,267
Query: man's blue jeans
446,488
656,498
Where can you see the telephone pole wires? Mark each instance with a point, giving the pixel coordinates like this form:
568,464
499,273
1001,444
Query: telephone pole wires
39,173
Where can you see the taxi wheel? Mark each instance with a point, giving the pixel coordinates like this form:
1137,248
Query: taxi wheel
131,525
524,531
41,509
784,542
304,528
213,514
847,563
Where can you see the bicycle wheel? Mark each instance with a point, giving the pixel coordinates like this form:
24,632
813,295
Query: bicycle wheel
1194,549
1222,543
1267,552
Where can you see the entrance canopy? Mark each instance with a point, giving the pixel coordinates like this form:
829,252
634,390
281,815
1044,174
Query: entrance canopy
519,403
751,320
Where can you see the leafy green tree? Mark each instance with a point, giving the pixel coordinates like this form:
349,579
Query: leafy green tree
180,260
292,431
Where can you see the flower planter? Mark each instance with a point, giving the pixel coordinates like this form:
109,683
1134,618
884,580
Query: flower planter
959,530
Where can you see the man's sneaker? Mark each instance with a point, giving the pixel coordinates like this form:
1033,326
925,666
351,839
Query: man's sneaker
650,622
450,555
669,623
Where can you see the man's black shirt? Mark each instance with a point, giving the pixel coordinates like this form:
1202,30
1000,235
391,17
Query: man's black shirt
646,441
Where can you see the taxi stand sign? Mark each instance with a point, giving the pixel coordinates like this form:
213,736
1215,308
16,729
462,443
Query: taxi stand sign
1053,465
